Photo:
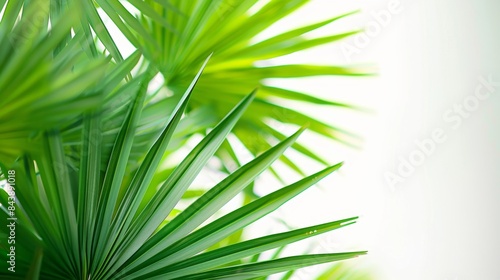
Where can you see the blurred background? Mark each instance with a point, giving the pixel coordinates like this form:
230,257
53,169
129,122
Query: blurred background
424,182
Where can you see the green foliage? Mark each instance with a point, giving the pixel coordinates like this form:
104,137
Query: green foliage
175,37
226,29
88,136
81,224
39,80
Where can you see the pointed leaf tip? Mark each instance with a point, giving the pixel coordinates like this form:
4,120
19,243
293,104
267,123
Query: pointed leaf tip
336,166
251,96
254,91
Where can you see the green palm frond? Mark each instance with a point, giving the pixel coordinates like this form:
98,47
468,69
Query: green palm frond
38,80
123,15
176,36
228,29
88,134
89,223
337,271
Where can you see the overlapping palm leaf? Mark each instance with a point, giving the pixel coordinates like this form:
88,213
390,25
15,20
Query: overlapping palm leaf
38,79
86,135
181,34
176,36
52,76
228,29
89,223
336,271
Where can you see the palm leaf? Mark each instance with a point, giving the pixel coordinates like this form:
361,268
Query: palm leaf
176,37
92,199
233,69
254,270
86,222
38,82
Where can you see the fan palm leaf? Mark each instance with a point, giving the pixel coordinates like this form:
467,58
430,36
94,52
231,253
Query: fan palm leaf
175,37
89,223
92,199
231,32
38,81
